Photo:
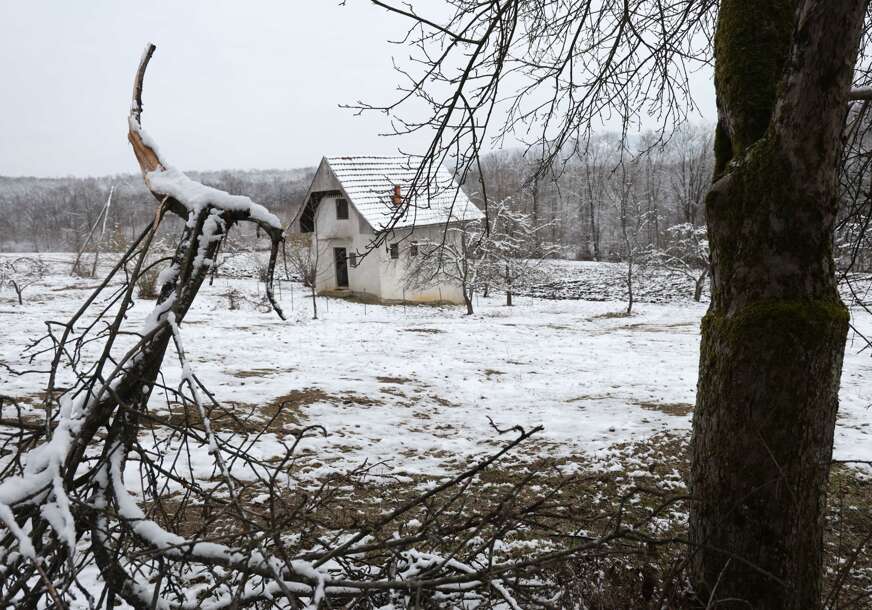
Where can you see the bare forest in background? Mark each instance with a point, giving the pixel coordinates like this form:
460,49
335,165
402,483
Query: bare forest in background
56,214
608,203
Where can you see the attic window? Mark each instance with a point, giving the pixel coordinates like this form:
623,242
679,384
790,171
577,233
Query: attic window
395,250
341,209
413,249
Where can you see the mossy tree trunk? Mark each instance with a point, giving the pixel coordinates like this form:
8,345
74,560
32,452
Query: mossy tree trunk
774,335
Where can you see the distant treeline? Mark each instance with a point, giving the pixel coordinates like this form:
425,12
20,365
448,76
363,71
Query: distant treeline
590,200
611,195
56,214
609,200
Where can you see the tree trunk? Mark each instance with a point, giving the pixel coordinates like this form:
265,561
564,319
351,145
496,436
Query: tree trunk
628,246
594,230
535,200
774,335
700,284
467,299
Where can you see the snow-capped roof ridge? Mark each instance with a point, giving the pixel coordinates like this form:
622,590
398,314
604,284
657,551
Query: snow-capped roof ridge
369,182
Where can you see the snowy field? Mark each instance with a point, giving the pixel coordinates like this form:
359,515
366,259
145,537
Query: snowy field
413,388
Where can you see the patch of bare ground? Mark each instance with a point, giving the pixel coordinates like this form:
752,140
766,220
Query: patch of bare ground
442,402
661,328
586,397
534,505
32,398
610,315
279,416
258,372
848,539
423,331
638,491
395,391
69,287
27,410
678,409
395,380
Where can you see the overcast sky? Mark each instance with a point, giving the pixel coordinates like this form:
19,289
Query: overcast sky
232,85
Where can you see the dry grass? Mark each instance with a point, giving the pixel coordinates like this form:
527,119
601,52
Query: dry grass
423,331
394,380
678,409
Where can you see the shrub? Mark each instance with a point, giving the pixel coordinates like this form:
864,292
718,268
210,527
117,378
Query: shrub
146,283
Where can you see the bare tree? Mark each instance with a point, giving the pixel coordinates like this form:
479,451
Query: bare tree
302,253
625,198
693,165
461,258
686,252
102,216
20,273
514,249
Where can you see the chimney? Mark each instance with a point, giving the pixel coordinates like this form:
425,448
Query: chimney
397,198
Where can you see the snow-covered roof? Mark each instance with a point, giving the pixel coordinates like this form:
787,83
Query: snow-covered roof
369,184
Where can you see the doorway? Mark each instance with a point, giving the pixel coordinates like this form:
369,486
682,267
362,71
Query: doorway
340,258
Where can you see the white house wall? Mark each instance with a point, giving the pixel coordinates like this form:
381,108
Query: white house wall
393,271
363,279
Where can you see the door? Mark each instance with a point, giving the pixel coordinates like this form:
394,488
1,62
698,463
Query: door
341,260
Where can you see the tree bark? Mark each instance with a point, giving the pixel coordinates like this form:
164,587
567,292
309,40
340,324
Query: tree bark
594,230
774,335
700,284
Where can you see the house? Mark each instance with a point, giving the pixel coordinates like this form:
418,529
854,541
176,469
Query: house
355,203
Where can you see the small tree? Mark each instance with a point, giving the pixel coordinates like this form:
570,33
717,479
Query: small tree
301,256
514,249
462,257
20,273
686,253
632,219
102,217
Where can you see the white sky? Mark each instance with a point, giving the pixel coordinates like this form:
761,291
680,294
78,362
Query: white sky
233,84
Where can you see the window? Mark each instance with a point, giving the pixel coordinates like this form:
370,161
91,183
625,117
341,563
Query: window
342,209
395,250
352,259
413,248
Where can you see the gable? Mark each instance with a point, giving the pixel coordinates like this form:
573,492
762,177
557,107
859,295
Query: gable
323,183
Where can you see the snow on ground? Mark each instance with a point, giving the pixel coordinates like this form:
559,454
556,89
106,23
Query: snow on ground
414,386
